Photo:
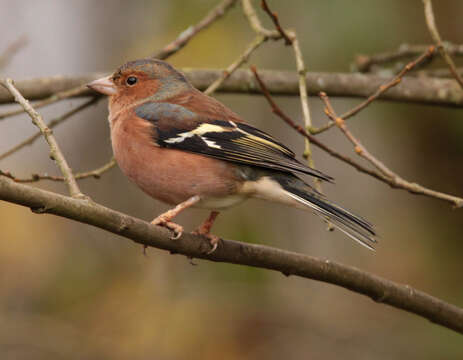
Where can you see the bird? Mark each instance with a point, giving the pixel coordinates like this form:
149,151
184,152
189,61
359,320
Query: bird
187,149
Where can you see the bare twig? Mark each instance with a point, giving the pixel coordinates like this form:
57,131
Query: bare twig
395,182
30,140
276,22
430,21
358,147
255,23
258,41
380,91
55,152
301,70
167,51
61,95
364,63
289,263
389,177
96,174
183,39
290,39
12,50
277,111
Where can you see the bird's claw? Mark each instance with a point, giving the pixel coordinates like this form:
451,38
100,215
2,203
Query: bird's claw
213,239
164,222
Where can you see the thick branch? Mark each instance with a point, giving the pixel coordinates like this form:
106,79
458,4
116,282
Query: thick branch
289,263
417,90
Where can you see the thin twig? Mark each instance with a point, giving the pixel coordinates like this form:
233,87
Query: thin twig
276,22
55,152
30,140
389,176
365,63
379,91
183,39
358,147
430,21
255,23
61,95
395,182
258,41
12,50
291,39
277,111
96,174
170,49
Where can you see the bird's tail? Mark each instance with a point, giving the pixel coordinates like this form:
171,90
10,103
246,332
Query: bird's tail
352,225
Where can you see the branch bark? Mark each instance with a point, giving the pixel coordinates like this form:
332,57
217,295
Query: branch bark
289,263
411,89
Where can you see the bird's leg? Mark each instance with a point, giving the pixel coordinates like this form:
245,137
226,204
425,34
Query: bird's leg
205,230
165,218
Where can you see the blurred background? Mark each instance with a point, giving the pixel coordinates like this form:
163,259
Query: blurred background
70,291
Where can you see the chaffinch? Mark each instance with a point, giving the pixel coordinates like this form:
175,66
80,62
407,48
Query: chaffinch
187,149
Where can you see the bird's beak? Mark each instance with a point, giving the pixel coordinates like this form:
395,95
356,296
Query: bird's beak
104,85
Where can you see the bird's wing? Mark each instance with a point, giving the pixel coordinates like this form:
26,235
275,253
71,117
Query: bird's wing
178,127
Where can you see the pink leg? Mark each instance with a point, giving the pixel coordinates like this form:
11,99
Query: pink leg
205,229
165,218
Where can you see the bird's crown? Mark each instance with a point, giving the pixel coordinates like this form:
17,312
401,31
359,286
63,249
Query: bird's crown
153,68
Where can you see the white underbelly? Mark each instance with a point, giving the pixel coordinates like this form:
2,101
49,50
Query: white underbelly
214,203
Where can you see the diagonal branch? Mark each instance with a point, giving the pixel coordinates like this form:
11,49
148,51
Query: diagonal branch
364,63
381,89
258,41
183,39
276,22
56,121
388,175
390,178
81,89
96,174
289,263
431,22
12,50
55,152
290,39
54,97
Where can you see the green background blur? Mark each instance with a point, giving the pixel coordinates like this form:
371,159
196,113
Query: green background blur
70,291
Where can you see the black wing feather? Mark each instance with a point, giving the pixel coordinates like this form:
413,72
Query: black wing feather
221,139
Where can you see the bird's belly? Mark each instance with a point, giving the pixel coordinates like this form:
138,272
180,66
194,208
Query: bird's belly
221,202
173,176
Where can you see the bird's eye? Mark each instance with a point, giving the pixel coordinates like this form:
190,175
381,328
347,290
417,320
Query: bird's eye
131,80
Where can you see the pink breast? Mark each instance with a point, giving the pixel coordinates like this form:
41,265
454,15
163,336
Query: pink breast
171,176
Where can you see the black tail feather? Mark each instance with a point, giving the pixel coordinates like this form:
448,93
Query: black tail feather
352,225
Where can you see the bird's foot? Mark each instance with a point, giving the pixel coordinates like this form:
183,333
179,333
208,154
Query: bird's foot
213,239
164,221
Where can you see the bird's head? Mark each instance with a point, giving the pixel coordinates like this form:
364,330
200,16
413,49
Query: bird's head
141,80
